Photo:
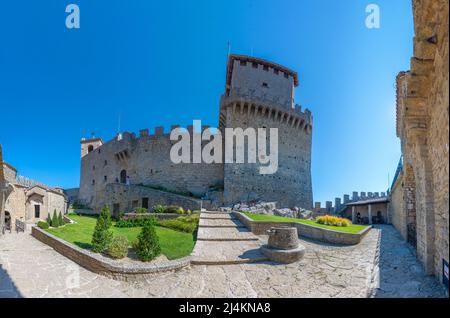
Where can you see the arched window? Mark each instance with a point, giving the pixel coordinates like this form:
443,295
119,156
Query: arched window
123,176
90,148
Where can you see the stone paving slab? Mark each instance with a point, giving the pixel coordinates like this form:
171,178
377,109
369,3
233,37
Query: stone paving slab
225,234
223,253
221,223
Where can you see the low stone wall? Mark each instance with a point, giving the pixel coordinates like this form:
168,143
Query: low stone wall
315,233
124,195
159,216
100,264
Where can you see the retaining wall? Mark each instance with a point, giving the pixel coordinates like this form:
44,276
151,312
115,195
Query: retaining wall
315,233
100,264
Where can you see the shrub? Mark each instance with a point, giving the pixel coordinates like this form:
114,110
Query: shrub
186,224
174,209
43,225
60,219
147,244
102,234
135,222
140,210
333,221
55,221
118,247
49,220
159,208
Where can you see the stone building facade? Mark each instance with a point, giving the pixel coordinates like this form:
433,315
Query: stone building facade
421,195
26,200
258,94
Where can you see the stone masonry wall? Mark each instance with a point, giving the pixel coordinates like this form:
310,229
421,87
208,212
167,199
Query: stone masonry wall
130,197
395,207
146,161
422,126
291,185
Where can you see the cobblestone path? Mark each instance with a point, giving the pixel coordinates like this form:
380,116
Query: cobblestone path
29,268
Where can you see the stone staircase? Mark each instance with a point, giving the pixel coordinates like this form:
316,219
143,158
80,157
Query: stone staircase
222,240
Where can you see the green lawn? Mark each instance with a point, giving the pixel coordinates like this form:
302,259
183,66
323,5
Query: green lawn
174,244
354,228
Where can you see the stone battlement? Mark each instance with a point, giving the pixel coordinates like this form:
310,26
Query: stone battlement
339,204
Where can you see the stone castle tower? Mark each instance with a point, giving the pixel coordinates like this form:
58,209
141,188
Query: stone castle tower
260,94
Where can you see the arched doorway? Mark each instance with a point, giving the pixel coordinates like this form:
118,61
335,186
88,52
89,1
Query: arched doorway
409,188
123,176
7,221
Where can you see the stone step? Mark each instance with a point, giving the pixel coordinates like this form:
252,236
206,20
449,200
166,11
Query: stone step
216,216
216,212
226,253
221,223
225,234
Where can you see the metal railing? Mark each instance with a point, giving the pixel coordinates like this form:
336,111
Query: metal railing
20,226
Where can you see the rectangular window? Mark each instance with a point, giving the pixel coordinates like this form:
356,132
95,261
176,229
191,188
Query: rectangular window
255,65
37,211
275,71
243,63
265,68
134,204
286,75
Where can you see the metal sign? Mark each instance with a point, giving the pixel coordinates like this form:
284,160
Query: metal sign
445,273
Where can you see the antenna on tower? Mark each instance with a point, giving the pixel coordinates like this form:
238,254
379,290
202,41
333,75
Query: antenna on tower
118,126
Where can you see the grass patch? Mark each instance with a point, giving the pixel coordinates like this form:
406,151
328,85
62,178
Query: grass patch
174,244
353,228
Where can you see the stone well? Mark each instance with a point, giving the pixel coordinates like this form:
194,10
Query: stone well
283,245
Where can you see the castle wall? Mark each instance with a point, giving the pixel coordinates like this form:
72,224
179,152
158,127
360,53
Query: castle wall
15,204
10,173
396,209
422,126
291,185
259,81
127,198
147,161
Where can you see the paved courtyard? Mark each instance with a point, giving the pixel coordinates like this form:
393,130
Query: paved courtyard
29,268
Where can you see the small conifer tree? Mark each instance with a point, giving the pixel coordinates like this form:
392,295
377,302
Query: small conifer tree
147,245
60,219
103,235
55,222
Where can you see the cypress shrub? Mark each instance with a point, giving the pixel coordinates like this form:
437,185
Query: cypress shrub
55,221
147,244
101,239
60,219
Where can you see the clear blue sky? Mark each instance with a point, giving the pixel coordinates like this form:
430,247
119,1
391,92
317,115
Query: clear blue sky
159,63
